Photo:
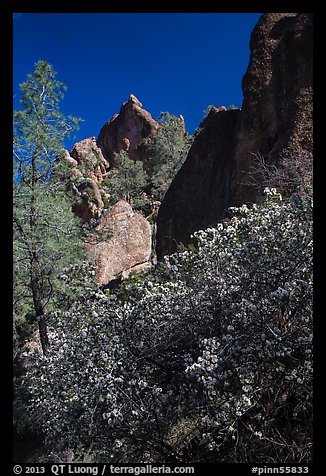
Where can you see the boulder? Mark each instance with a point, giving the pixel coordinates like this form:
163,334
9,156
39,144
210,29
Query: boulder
275,124
127,131
123,244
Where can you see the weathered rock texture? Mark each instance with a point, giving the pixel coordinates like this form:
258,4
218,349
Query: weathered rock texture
87,170
276,117
126,247
275,122
127,131
90,159
126,237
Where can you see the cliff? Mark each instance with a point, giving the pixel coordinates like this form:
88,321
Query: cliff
235,149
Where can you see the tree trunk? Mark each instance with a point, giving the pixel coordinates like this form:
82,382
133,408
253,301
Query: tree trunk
43,335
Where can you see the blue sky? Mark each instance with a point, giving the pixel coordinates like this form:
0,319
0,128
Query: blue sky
175,62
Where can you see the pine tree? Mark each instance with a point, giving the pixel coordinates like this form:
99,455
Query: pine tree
168,150
44,227
127,180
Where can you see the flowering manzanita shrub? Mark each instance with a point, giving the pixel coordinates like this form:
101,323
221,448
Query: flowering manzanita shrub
208,358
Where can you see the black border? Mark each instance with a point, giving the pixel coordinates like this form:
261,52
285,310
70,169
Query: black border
6,80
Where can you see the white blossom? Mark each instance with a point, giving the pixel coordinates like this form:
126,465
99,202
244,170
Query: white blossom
213,337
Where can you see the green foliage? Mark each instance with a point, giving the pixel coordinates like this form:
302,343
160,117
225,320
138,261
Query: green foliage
168,149
127,180
206,358
40,127
105,200
207,110
105,183
141,182
90,193
186,248
44,229
53,239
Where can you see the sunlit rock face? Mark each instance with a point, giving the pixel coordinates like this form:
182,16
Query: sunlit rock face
127,131
124,244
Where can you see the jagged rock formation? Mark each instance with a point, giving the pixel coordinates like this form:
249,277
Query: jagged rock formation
127,131
87,170
182,121
127,246
275,122
90,160
124,244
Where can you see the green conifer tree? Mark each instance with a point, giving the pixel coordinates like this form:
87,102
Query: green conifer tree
44,229
127,180
168,149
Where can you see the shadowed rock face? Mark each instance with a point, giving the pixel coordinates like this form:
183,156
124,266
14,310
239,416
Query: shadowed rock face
127,131
200,192
276,117
275,122
127,247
